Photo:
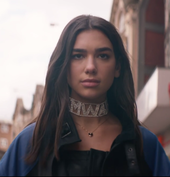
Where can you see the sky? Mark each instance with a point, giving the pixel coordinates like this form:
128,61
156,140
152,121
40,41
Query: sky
27,41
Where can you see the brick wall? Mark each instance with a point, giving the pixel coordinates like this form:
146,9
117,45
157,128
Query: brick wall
5,136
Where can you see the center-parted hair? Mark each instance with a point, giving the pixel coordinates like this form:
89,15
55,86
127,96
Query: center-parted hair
55,100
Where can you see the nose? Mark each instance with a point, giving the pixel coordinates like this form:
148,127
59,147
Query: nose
90,66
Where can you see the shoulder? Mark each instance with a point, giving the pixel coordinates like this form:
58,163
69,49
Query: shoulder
12,163
26,133
154,154
148,136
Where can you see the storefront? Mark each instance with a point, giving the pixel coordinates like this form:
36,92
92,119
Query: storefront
154,106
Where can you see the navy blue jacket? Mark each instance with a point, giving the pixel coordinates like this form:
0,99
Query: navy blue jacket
13,164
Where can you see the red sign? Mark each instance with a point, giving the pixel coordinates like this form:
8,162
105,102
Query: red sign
160,139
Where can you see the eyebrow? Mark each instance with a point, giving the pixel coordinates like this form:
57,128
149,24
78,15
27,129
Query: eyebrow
97,50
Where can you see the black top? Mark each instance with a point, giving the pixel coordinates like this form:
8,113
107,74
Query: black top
80,163
120,161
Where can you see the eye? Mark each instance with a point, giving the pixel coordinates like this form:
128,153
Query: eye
103,56
77,56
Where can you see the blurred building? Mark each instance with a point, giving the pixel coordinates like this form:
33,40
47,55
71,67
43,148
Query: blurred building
141,25
167,33
5,137
22,116
145,29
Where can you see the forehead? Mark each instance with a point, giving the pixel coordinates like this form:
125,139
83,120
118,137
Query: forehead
92,38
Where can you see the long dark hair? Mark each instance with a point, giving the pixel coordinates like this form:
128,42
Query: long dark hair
55,98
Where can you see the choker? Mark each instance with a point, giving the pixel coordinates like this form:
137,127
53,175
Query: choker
88,109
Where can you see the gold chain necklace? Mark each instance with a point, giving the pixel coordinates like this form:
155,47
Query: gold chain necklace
90,134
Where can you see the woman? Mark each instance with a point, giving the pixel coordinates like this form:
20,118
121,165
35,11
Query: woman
88,122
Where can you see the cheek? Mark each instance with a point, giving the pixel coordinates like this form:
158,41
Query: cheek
108,77
108,72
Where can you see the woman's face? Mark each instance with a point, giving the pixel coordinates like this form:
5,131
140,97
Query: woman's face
92,67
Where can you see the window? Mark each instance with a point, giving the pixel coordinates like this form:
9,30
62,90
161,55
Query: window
3,143
4,128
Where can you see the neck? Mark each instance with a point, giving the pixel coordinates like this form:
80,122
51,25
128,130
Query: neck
89,121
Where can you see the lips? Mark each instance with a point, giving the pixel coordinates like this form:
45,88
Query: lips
90,82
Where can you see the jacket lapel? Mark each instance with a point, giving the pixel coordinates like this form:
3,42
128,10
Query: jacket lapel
69,133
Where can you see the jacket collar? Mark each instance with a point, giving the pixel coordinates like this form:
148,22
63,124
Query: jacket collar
70,135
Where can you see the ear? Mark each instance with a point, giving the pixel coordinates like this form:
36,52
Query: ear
117,70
